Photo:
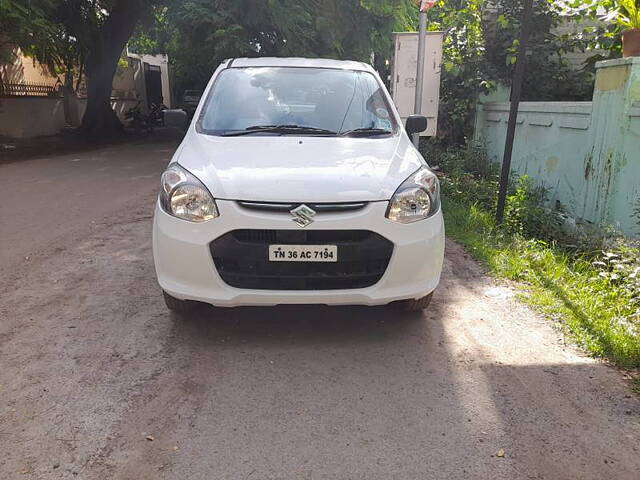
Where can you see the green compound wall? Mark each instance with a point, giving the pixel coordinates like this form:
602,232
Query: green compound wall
586,153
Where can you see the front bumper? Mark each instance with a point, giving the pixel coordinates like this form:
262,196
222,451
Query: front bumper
186,270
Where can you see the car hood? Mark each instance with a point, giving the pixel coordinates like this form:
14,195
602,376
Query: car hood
299,168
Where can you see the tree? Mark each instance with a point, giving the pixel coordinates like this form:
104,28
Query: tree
386,18
112,23
554,77
66,35
19,19
481,39
464,73
199,34
41,29
60,44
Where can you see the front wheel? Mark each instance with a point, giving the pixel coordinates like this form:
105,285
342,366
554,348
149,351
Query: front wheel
415,304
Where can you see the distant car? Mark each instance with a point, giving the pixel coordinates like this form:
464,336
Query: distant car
295,183
190,101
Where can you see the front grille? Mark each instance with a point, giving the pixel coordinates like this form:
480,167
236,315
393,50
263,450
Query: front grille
242,259
301,237
318,207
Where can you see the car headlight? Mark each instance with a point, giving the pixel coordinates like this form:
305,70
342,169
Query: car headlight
184,196
416,199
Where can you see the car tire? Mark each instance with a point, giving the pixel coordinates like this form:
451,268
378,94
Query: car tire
178,306
415,304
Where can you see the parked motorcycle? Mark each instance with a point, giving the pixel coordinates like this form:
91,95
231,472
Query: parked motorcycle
137,120
156,114
141,122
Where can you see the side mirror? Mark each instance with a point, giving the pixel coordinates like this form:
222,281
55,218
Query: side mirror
176,118
416,124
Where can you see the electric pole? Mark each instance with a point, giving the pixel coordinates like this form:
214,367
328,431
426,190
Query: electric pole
516,94
422,40
425,5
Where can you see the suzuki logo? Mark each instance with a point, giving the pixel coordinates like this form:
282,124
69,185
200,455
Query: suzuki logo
303,215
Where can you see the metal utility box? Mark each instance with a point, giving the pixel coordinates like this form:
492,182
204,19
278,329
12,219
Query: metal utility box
403,76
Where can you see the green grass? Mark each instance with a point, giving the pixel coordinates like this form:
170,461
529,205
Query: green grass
566,287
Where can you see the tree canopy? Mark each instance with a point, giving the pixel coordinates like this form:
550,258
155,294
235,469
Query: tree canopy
479,51
20,21
481,41
67,35
199,34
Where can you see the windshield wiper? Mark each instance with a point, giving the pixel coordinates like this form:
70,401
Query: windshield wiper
366,132
283,129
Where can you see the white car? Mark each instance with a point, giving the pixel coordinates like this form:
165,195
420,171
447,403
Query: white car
296,183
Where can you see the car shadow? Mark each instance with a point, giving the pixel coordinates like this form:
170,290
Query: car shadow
300,323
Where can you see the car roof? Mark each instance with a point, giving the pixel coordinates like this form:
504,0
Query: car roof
299,62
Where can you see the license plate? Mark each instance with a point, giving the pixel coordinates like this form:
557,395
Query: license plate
303,253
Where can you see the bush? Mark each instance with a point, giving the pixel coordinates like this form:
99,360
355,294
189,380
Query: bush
467,175
526,213
472,160
620,266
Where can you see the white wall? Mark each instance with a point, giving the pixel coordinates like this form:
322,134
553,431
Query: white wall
31,116
26,117
124,82
161,61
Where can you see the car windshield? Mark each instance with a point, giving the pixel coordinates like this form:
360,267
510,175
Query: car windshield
281,100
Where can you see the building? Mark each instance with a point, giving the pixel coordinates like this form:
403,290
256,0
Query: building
31,97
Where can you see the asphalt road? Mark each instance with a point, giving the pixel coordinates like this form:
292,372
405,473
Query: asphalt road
99,381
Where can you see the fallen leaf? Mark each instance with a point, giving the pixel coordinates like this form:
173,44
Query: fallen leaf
500,453
150,438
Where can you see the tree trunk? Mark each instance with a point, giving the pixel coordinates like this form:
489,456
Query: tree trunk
99,118
67,91
80,73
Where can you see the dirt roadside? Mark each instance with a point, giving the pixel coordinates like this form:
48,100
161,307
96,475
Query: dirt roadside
99,381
